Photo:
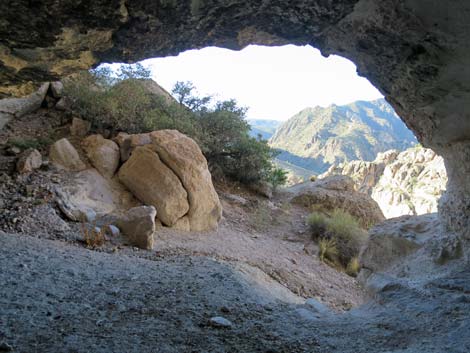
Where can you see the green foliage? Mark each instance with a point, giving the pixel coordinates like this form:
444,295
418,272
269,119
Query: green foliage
327,249
353,267
344,230
123,101
25,143
317,222
313,178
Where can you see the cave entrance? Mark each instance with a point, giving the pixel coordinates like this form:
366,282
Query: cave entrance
318,113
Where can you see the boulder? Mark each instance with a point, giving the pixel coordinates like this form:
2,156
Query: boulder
138,225
63,104
79,127
57,89
17,107
393,240
182,224
184,157
102,153
263,188
88,196
127,143
28,161
64,156
337,192
152,182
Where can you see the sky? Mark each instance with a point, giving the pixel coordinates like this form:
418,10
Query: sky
273,82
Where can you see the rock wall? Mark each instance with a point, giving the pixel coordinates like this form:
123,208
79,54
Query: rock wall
406,183
415,51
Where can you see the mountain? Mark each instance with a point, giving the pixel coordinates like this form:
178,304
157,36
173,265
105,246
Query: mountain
406,183
265,128
316,138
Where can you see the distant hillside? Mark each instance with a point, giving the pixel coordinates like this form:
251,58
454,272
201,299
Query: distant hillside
316,138
265,128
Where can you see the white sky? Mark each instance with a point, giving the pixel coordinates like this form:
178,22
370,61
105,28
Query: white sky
274,82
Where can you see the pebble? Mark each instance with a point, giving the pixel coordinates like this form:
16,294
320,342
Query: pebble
220,322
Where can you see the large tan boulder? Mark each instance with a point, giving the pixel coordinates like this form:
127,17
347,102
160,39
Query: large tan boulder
152,182
102,153
64,156
184,157
138,225
337,192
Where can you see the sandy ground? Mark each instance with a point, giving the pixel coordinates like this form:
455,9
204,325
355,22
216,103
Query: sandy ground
60,297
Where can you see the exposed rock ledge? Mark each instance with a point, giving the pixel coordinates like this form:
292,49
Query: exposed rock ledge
406,183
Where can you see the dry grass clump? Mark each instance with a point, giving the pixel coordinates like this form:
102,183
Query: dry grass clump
93,236
339,237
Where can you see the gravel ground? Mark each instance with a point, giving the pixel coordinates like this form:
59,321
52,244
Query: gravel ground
59,297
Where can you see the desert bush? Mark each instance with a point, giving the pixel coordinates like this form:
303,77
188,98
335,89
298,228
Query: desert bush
353,267
317,222
313,178
344,230
327,249
120,101
92,235
26,143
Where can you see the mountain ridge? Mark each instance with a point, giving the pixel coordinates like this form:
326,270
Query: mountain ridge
317,137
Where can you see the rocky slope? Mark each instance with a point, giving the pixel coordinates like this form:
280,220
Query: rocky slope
406,183
317,137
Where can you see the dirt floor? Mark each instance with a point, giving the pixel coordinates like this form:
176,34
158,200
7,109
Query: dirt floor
257,271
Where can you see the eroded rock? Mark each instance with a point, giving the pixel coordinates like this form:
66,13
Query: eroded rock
337,192
79,127
64,156
155,184
138,225
184,157
28,161
102,153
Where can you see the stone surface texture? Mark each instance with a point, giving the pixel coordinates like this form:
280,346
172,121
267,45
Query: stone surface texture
138,225
103,154
337,192
184,157
28,161
406,183
155,184
64,156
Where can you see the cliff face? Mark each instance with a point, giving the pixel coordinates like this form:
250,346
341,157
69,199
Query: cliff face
407,183
338,134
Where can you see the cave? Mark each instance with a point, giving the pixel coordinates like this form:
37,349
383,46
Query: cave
415,52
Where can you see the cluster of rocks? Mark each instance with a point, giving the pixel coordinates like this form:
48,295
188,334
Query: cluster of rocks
406,183
133,182
136,182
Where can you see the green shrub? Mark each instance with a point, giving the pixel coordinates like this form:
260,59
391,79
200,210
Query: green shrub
25,143
342,229
317,223
353,267
313,178
327,249
121,102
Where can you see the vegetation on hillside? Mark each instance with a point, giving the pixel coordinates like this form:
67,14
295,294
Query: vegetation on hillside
316,138
128,100
339,238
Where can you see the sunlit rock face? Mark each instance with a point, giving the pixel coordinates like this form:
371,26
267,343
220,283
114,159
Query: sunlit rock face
415,51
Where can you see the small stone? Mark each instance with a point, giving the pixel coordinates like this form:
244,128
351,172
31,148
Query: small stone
28,161
112,230
220,322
